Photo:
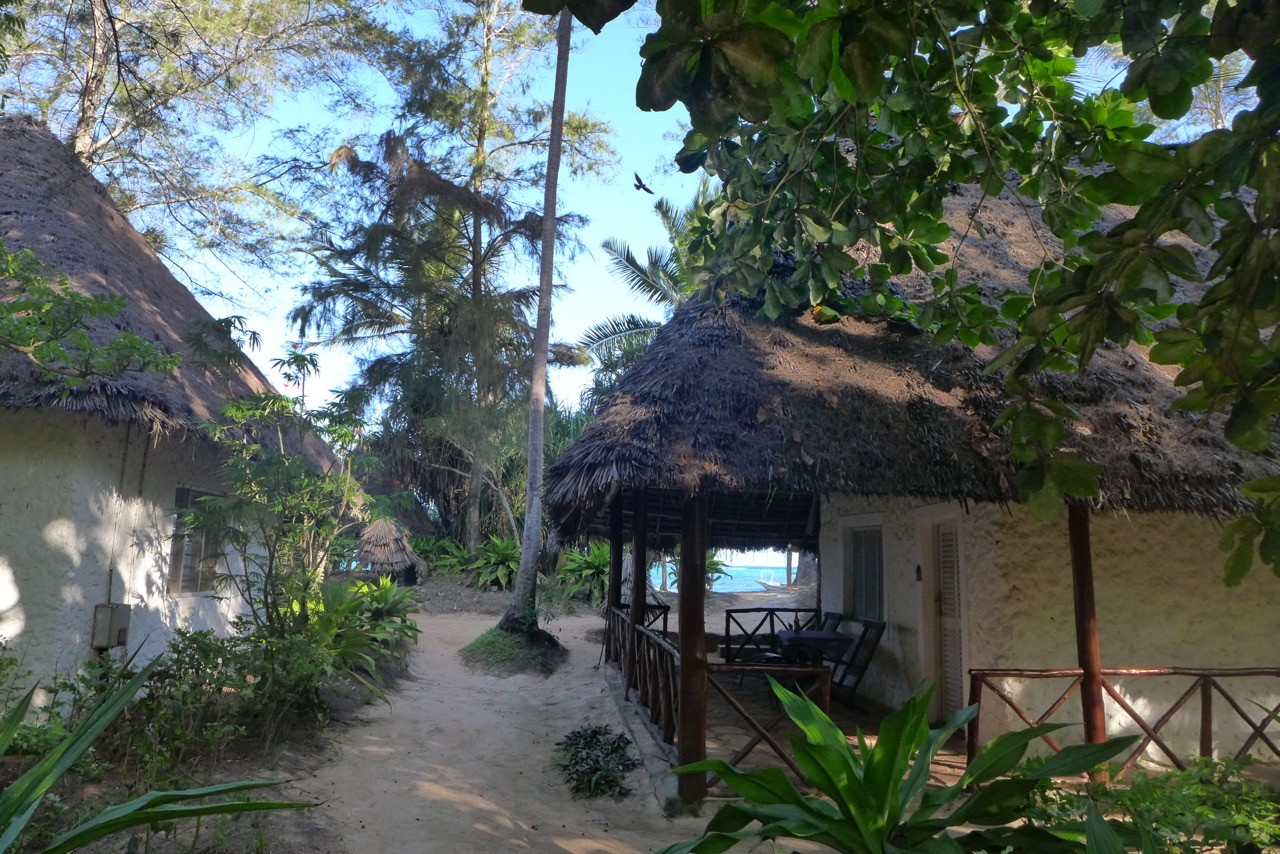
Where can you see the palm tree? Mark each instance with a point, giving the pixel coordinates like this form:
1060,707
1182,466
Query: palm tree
521,614
664,278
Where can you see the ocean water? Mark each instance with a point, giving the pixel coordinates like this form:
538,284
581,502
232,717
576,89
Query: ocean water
741,579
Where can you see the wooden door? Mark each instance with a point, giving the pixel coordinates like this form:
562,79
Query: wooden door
950,632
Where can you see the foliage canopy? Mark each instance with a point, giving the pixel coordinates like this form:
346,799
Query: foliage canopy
836,126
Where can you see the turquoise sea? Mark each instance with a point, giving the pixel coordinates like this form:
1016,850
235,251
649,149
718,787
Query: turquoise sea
740,579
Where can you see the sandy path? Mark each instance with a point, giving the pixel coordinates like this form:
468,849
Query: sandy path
461,762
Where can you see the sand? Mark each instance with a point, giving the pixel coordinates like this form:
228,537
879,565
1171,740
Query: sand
461,762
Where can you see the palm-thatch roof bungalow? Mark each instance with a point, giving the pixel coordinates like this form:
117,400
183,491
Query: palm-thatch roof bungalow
90,477
873,446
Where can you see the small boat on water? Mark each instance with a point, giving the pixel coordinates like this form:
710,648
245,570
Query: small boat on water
771,585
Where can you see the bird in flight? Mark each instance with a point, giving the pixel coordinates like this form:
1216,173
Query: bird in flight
641,185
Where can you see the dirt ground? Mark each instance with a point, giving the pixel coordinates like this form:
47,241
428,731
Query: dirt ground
461,762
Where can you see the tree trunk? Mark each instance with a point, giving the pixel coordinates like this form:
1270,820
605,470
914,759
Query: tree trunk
522,612
473,508
95,81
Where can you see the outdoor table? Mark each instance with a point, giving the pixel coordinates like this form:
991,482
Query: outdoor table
813,644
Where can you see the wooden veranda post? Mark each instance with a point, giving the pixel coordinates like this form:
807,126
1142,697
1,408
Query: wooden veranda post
691,738
1090,654
639,582
613,595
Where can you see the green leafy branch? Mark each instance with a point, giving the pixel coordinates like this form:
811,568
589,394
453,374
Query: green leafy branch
48,324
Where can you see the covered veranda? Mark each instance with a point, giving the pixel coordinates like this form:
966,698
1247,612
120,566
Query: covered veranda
702,694
732,431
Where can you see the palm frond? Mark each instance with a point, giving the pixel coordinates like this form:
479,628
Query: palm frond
615,328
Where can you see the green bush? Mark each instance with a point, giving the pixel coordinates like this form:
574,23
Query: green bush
445,557
189,709
877,798
594,761
497,563
1209,807
360,628
585,573
21,798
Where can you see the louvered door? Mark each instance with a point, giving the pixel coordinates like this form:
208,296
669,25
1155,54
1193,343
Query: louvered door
950,635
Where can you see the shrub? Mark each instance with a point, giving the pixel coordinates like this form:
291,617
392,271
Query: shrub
876,798
594,761
20,799
1209,807
189,708
445,557
497,563
586,573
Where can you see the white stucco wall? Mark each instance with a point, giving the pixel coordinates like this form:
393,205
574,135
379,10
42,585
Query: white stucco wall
1160,599
1161,603
908,652
85,519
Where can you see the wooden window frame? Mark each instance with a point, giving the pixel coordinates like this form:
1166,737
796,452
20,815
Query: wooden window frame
210,562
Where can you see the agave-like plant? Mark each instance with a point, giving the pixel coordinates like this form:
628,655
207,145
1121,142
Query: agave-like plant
20,799
875,798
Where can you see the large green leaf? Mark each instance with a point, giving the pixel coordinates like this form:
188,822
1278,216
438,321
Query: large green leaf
1003,753
155,807
20,799
13,719
1076,759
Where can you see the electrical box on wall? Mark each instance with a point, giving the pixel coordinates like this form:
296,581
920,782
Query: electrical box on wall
110,625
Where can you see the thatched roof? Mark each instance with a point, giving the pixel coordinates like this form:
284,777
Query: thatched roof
767,416
384,548
50,204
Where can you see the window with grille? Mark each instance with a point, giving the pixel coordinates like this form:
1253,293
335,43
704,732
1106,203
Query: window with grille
864,574
196,558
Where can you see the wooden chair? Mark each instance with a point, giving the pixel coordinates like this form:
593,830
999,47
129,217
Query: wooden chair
856,661
831,621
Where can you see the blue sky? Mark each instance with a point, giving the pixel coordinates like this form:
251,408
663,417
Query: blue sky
602,77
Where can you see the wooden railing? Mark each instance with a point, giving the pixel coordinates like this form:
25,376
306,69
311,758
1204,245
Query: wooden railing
655,616
752,631
813,681
1203,684
657,681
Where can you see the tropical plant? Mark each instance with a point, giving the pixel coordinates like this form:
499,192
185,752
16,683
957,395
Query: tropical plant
446,557
497,563
665,278
523,609
384,599
19,800
594,761
586,572
360,628
715,569
282,513
1211,806
877,798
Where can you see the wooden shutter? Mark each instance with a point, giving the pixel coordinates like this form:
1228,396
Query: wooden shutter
947,541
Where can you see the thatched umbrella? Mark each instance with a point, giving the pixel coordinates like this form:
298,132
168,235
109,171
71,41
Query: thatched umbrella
386,551
758,419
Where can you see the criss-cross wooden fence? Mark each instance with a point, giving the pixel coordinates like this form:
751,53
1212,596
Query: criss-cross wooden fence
750,632
1206,685
654,684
